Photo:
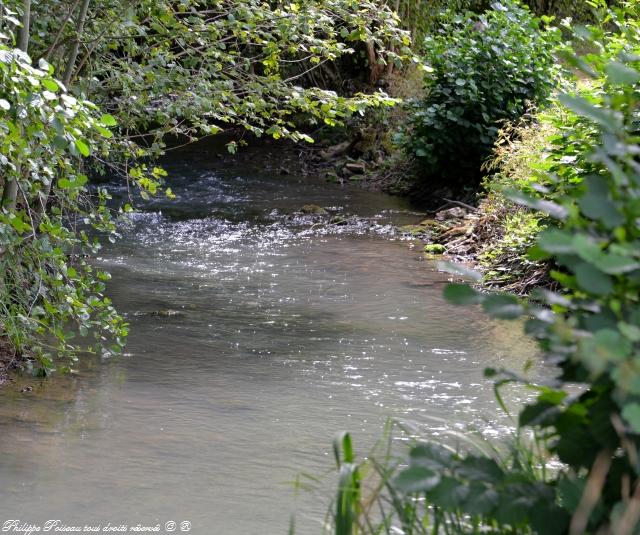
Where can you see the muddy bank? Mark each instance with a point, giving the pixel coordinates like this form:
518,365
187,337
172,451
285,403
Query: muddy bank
10,362
479,238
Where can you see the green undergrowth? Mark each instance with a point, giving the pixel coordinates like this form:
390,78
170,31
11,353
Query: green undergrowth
525,156
520,159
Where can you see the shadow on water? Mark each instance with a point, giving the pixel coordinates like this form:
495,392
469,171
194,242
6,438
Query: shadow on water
255,336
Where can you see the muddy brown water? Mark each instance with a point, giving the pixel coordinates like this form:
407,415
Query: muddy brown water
255,338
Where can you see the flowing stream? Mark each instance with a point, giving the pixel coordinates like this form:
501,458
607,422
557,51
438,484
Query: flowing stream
255,337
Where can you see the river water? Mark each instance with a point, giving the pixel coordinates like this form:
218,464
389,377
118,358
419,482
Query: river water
255,337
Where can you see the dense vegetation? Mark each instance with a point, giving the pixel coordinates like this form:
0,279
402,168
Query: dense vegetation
583,189
483,70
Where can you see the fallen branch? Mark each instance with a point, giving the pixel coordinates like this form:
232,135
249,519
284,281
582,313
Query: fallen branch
461,204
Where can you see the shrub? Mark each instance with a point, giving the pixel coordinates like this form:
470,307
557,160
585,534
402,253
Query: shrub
49,292
483,70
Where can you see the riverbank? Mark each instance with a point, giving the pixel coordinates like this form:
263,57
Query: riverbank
9,362
483,228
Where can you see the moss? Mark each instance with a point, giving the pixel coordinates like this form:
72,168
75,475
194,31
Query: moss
313,209
435,249
429,229
413,230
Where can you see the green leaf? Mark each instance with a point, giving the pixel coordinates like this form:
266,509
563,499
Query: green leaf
503,306
540,413
571,491
60,142
602,210
514,510
432,456
597,205
416,479
82,147
607,119
104,132
50,84
616,264
551,208
592,280
621,74
631,413
342,443
606,347
108,120
556,242
462,294
587,248
482,469
616,347
482,500
450,494
460,270
631,332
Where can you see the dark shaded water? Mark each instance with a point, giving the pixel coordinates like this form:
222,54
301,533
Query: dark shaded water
255,337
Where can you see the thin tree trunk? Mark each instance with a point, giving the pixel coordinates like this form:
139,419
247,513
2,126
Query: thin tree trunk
23,32
63,25
10,193
75,47
374,68
68,73
10,190
390,64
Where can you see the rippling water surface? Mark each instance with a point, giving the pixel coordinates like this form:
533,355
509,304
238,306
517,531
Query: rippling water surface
256,335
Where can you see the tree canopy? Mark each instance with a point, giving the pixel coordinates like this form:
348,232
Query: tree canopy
115,79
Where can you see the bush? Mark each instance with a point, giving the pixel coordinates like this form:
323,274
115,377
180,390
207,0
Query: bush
594,335
483,70
49,292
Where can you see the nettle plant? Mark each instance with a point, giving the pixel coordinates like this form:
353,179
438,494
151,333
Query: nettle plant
482,70
49,294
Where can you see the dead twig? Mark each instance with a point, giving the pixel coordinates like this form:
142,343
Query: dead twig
461,204
591,494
